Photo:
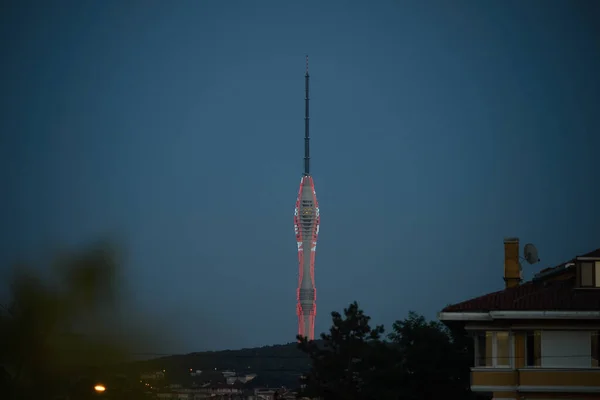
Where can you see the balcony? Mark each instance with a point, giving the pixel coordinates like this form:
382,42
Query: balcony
572,380
493,379
541,380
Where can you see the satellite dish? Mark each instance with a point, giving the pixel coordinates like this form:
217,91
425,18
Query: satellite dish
530,253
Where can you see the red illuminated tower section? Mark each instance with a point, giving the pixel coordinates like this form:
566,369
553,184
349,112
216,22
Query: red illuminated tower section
306,226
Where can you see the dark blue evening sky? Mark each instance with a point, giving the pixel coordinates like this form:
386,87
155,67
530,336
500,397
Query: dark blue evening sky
438,128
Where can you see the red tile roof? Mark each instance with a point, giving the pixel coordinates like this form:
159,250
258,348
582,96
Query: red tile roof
536,295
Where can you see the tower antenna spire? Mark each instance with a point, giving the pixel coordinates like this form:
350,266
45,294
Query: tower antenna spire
306,124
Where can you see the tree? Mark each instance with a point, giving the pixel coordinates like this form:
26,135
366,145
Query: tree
352,362
421,360
436,361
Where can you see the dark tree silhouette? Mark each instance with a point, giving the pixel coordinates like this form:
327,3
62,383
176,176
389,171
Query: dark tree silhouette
435,361
352,362
422,360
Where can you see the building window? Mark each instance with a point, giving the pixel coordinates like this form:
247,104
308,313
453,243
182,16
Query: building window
567,349
493,349
589,274
533,349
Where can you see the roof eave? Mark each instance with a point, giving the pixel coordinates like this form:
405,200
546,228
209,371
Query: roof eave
504,315
464,316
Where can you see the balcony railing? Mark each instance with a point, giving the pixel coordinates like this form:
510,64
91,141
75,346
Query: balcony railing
536,380
554,377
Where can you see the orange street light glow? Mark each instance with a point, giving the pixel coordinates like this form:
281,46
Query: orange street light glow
99,388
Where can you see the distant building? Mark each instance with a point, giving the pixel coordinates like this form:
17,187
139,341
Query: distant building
214,391
538,339
239,378
224,391
228,374
148,376
263,394
230,377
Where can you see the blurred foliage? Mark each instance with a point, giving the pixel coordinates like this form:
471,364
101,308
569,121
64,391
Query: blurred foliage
56,328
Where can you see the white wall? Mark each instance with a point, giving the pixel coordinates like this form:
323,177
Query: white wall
566,349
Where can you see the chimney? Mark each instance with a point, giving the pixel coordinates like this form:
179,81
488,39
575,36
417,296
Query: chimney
512,267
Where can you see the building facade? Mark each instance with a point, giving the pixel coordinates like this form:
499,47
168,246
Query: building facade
538,339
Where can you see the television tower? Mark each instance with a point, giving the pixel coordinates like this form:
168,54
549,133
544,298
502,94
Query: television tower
306,226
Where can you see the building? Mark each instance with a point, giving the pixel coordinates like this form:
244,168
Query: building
538,339
244,378
306,227
207,391
151,376
220,391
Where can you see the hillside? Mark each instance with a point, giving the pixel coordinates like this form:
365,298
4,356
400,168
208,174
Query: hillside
275,365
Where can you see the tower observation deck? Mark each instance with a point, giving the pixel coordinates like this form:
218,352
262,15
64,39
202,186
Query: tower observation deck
306,226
